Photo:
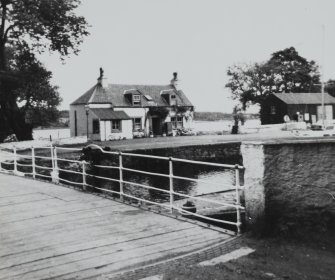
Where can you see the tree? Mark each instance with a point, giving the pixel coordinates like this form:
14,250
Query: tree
285,71
330,87
27,27
36,97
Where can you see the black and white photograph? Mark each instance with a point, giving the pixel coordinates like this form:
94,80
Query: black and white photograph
167,139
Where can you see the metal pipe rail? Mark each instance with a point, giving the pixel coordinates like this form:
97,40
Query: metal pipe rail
55,169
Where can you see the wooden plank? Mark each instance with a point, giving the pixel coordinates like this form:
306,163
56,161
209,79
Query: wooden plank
85,249
56,232
82,234
115,252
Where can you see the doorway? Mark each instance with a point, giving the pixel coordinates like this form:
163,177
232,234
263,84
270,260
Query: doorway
156,126
328,112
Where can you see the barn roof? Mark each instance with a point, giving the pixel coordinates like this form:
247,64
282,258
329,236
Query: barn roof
151,95
109,114
305,98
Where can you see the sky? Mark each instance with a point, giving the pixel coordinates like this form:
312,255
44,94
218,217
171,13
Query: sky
145,41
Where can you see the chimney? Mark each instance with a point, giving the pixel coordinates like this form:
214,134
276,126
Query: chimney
100,78
175,81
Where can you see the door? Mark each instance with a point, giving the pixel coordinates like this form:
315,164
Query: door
156,126
328,112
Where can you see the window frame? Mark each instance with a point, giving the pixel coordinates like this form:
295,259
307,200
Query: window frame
273,110
116,126
173,99
137,101
135,126
177,122
96,129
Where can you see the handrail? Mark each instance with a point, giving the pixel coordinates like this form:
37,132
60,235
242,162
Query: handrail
55,178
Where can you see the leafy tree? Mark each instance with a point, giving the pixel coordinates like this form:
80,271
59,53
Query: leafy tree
27,27
36,97
285,71
330,87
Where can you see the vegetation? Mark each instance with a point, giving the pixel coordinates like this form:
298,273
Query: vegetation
27,27
285,71
330,87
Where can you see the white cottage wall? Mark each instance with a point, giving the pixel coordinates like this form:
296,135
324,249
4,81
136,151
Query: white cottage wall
79,111
82,122
106,133
136,113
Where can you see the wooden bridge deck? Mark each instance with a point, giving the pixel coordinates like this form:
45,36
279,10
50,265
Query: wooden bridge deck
49,231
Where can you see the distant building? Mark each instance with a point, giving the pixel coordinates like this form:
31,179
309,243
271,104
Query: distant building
122,111
297,106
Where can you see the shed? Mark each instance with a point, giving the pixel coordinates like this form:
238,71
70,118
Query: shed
298,106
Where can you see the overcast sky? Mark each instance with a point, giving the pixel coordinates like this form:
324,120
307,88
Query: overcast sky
144,41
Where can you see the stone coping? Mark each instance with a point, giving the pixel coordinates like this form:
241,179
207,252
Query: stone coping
295,141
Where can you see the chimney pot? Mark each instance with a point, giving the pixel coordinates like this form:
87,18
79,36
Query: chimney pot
100,78
175,81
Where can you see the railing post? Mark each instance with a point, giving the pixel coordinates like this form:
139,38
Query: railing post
33,161
171,182
55,172
84,175
52,157
121,175
238,201
15,160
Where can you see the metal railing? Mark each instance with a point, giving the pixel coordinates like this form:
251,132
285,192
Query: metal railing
54,170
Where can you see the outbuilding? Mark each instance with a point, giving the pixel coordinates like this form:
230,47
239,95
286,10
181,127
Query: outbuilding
297,106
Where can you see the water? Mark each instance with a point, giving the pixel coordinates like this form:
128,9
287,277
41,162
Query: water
55,133
223,125
205,126
210,179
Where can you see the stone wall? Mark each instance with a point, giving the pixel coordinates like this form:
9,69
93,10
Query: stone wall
288,185
228,153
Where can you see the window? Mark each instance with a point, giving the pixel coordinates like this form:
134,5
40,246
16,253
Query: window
116,125
137,124
273,110
177,122
136,99
96,126
148,97
173,99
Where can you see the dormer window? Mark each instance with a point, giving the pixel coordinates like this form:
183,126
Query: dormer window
173,99
136,99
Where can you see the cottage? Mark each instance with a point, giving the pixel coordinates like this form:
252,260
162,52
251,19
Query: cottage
126,111
297,106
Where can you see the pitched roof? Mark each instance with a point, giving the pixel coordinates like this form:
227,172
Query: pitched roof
114,94
305,98
109,114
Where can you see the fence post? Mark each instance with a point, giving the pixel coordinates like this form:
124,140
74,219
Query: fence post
121,175
171,182
84,175
15,160
238,202
52,157
33,161
55,172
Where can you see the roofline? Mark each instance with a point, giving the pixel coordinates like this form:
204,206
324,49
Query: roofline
154,106
114,119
